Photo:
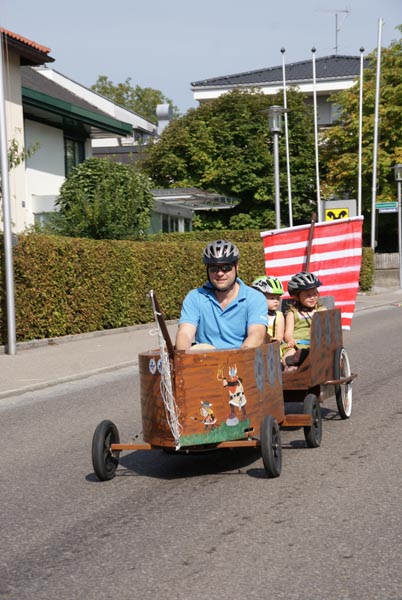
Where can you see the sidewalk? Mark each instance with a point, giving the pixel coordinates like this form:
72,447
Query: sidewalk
44,363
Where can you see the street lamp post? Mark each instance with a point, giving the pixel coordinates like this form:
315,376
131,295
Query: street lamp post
275,127
398,179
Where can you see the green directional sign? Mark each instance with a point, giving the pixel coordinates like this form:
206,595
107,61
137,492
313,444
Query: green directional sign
386,205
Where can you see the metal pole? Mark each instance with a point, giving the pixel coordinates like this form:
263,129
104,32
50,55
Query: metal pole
375,148
400,234
285,106
8,251
317,168
359,175
276,173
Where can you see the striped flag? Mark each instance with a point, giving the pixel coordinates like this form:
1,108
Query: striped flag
335,256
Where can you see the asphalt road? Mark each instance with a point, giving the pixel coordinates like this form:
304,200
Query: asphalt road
209,526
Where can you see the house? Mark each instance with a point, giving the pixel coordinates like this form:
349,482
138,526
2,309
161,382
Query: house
43,115
65,123
333,74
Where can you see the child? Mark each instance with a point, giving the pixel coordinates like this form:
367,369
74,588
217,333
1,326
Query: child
272,289
303,287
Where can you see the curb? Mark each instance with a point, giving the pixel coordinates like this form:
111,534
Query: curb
53,382
82,336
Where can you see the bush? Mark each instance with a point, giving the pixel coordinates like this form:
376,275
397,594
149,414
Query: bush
102,199
367,270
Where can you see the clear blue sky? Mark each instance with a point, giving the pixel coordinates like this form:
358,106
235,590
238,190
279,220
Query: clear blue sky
167,44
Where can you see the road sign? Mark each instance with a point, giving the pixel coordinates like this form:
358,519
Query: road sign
387,206
333,214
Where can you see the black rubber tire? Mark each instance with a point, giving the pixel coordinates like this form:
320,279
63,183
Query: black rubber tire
343,392
271,447
313,433
104,461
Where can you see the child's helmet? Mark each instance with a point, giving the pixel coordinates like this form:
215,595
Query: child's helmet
303,281
268,285
220,252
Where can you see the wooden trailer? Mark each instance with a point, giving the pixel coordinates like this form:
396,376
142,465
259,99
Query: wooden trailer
326,370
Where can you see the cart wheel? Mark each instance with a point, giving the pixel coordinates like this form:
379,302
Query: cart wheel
313,433
104,461
271,448
343,392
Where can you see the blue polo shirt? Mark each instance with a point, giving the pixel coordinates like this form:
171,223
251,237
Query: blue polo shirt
223,328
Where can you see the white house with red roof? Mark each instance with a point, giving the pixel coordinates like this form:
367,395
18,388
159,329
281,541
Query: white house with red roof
44,115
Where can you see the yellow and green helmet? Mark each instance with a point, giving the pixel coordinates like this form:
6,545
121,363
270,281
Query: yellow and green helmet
268,285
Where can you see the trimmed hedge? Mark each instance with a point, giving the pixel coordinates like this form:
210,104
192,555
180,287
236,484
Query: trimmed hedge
74,285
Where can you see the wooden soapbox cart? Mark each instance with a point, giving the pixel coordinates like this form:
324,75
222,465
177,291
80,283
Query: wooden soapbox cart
205,400
326,370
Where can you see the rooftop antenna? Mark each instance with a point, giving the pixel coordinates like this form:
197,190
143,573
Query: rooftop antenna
337,12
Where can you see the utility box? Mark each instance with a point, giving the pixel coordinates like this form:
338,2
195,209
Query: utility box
339,209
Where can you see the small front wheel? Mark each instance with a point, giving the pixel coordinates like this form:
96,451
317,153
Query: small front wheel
313,433
104,461
343,391
271,448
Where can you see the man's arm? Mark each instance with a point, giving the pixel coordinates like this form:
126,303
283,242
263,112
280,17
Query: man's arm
185,336
255,336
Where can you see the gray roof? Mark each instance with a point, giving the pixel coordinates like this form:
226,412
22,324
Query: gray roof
32,79
50,102
327,67
193,198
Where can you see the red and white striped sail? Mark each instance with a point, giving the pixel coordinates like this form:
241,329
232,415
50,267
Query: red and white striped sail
335,256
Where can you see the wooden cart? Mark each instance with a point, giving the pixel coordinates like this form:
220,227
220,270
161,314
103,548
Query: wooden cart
223,399
326,370
204,400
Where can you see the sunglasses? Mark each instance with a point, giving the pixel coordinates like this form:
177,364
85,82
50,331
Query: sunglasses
223,268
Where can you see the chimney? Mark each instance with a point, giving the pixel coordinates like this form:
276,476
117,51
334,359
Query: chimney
164,115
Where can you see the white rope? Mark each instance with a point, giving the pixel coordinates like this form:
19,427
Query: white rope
166,387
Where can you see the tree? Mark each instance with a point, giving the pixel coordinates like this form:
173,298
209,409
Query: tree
101,199
142,101
340,151
225,146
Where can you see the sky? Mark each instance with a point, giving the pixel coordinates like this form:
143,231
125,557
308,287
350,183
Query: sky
167,44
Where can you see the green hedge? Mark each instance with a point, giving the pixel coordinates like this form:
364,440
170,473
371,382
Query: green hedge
68,285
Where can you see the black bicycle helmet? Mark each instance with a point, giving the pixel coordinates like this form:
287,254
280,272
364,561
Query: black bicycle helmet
303,281
220,252
268,285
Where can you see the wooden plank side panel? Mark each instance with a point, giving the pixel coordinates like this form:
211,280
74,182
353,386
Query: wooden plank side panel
154,424
326,337
221,395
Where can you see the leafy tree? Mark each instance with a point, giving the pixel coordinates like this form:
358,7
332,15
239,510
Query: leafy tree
101,199
340,150
142,101
225,146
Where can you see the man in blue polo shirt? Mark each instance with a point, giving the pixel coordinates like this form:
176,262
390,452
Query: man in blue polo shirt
225,312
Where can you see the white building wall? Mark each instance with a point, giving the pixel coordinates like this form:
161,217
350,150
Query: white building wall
15,130
45,169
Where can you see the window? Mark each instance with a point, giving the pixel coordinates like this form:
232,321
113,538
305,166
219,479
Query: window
74,153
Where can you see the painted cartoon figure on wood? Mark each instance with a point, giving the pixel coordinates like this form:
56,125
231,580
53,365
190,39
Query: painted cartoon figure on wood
237,397
207,414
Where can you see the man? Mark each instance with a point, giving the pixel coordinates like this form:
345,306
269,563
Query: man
223,313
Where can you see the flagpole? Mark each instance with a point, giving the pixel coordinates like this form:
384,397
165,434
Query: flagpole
375,148
359,176
317,168
285,106
8,250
